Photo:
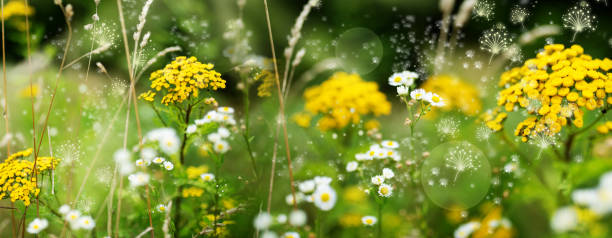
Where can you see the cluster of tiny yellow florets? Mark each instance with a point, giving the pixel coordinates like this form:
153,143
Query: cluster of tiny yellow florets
181,79
16,181
342,100
555,88
457,93
192,192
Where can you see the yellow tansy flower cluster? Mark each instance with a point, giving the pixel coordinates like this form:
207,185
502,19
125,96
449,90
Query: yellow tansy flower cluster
195,172
181,79
192,192
555,88
16,180
456,92
343,99
605,127
16,8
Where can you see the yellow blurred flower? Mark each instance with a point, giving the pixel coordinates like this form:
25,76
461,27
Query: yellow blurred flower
195,172
605,127
354,194
343,99
192,192
457,93
16,8
29,91
350,220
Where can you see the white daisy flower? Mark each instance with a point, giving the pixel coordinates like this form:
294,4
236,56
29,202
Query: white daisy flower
138,179
86,222
64,209
418,94
325,198
389,144
351,166
388,173
168,165
162,208
141,163
207,177
363,156
262,221
435,100
402,90
307,186
291,234
466,229
385,190
72,216
378,180
297,218
158,160
199,122
221,146
405,78
37,225
191,129
169,145
369,220
227,110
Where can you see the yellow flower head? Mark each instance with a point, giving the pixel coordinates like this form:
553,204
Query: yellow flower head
555,88
16,8
343,99
458,94
183,79
16,180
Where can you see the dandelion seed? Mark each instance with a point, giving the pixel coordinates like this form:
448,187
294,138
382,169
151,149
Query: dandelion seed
461,161
483,133
495,40
518,15
447,127
579,18
484,9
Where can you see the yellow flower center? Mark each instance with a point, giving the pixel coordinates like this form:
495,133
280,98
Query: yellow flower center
435,99
325,197
384,190
397,79
35,226
369,221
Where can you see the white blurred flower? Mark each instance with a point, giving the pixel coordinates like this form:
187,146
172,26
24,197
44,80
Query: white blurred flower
385,190
162,207
564,219
191,129
262,221
268,234
465,230
291,234
307,186
148,154
282,218
221,146
72,216
322,180
418,94
86,222
159,160
298,197
405,78
389,144
402,90
37,225
138,179
388,173
64,209
351,166
297,218
227,110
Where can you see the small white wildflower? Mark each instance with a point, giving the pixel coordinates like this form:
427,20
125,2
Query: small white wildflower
402,90
390,144
162,208
64,209
307,186
158,160
385,190
138,179
37,225
191,129
369,220
351,166
378,180
297,218
86,222
207,177
388,173
291,234
325,198
282,218
168,165
221,146
564,219
418,94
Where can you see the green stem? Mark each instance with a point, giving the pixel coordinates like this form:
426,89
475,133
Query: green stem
246,134
379,222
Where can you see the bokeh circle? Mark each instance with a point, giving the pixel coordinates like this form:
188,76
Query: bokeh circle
359,49
456,176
